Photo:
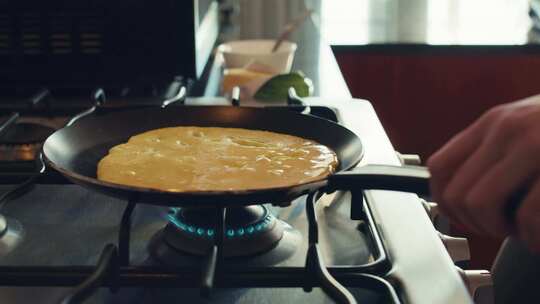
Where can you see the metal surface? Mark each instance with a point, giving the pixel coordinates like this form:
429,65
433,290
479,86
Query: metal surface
91,218
103,269
314,261
163,285
124,234
249,230
262,277
414,179
214,257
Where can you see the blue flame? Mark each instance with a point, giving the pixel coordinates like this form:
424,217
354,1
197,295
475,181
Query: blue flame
258,227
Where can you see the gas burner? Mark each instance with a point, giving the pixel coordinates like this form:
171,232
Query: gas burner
248,231
25,133
22,140
25,152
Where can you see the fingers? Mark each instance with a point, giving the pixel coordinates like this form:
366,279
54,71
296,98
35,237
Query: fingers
528,218
464,180
448,159
474,175
484,204
472,167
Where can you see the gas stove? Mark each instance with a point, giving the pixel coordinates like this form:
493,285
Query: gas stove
29,115
61,243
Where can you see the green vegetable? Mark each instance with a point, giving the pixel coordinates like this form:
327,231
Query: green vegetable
276,88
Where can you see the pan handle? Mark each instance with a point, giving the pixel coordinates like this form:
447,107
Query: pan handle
382,177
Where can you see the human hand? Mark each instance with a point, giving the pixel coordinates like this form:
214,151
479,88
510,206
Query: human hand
477,171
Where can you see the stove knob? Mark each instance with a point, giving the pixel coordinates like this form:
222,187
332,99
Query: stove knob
432,209
458,248
440,222
409,159
479,284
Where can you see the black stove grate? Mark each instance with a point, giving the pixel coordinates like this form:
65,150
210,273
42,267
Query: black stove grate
114,271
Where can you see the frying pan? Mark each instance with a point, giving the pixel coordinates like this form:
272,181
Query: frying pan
75,151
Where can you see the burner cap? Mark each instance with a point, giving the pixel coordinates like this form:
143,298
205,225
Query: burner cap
25,133
249,230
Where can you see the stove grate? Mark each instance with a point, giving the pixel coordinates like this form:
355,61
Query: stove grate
113,269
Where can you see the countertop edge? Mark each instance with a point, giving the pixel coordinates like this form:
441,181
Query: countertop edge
427,49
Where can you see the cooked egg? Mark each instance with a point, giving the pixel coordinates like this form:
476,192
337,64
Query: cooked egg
207,158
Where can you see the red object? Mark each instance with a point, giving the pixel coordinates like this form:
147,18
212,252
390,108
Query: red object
423,100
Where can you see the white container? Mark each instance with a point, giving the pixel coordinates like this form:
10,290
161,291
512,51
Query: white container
240,53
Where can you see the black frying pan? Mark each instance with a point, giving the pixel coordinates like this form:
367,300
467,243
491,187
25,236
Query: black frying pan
75,151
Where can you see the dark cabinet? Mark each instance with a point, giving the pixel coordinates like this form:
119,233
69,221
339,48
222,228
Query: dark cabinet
425,98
